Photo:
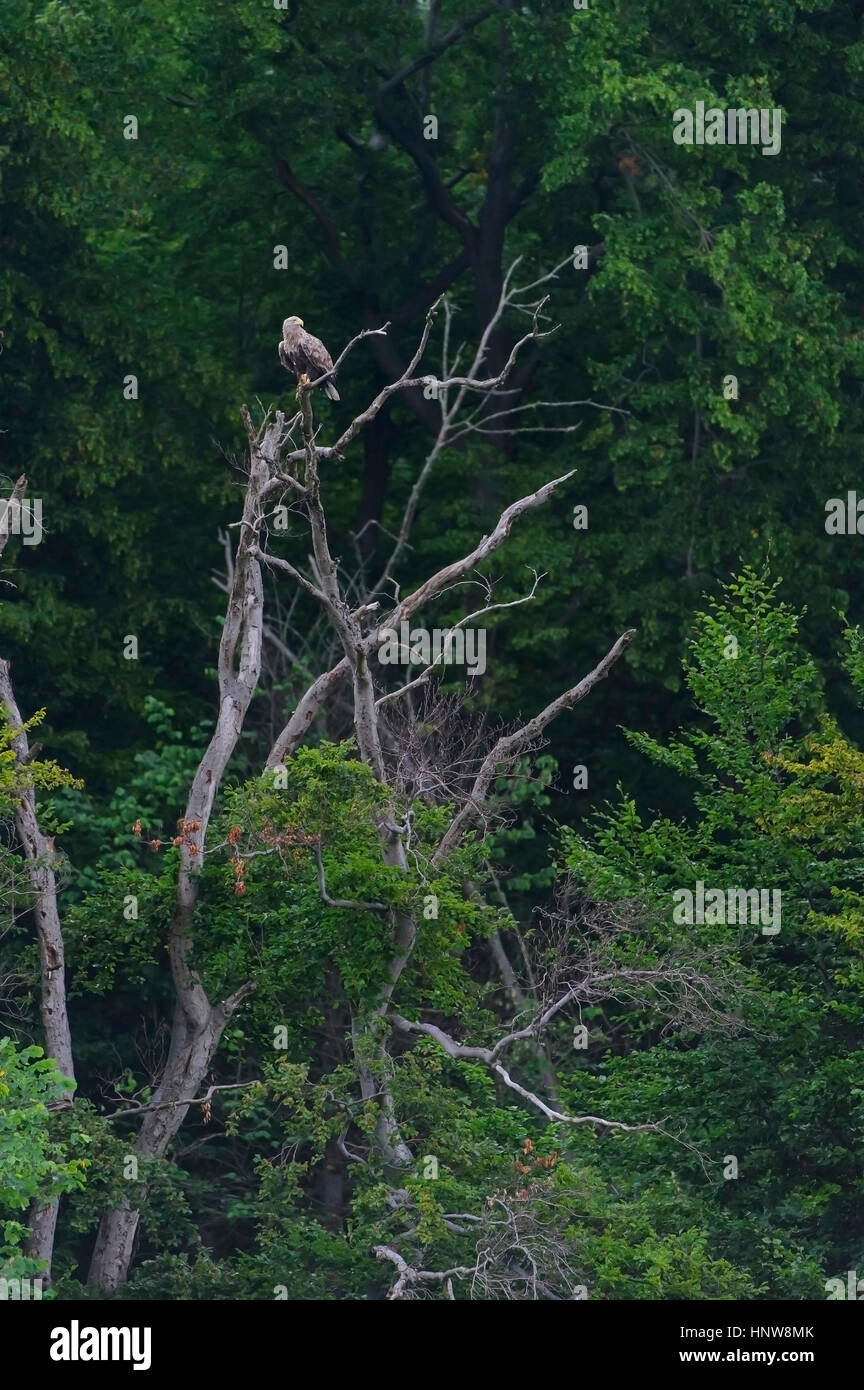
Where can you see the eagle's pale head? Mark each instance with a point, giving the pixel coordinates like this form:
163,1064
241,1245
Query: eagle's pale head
293,322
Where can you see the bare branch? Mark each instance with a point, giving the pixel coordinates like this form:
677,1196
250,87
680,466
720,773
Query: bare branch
463,622
275,562
305,712
511,744
557,1117
185,1100
487,546
409,1276
307,386
489,1056
13,508
341,902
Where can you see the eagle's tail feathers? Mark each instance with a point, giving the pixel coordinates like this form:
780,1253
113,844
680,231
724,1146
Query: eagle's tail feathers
330,391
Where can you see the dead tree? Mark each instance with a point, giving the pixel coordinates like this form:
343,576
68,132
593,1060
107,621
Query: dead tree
198,1024
286,459
360,643
464,405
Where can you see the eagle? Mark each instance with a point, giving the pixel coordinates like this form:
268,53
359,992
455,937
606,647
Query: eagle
304,355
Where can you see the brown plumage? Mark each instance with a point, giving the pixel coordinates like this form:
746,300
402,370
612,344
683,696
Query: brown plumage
304,355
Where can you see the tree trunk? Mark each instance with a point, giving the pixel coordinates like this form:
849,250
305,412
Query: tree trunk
39,857
197,1024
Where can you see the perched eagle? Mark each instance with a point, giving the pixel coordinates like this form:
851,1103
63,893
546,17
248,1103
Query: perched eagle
304,355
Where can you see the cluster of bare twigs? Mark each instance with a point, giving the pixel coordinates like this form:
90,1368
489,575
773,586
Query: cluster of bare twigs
521,1252
574,955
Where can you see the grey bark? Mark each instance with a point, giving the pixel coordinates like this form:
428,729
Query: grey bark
39,859
197,1023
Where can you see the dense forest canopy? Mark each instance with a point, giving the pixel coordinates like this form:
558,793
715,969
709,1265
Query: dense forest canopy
333,975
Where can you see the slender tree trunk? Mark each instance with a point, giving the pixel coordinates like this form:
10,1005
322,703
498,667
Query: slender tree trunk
39,858
197,1024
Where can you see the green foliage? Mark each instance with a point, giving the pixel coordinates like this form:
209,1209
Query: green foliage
38,772
99,837
32,1163
776,802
